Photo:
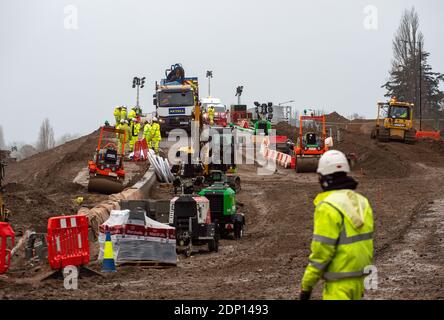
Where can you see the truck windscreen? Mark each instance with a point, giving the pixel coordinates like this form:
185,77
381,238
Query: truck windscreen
176,99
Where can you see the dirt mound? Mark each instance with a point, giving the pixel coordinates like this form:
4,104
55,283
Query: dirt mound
393,159
284,129
41,186
336,118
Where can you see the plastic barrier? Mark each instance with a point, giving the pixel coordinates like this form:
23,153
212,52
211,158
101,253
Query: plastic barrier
68,241
140,150
283,159
435,135
6,245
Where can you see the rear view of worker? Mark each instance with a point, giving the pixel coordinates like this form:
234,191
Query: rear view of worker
211,114
155,135
123,115
117,112
132,114
342,245
147,133
135,129
123,138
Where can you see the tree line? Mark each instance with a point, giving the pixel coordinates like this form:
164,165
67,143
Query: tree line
411,78
45,142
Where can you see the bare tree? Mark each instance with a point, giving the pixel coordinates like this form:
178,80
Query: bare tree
411,70
26,151
46,137
66,138
356,116
407,38
2,139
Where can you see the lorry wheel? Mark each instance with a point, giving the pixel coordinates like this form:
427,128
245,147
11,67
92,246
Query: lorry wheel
213,245
188,251
237,185
238,231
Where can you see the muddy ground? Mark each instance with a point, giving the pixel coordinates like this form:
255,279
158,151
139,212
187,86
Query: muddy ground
403,183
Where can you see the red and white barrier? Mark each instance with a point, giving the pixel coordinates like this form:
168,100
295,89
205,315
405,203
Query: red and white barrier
281,158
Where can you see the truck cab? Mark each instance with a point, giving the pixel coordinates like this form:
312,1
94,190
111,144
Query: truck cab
220,111
175,102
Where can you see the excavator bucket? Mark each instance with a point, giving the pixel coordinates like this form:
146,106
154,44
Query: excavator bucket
305,164
104,185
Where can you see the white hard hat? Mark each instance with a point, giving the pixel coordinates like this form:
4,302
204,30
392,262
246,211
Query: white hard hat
333,161
122,121
154,118
134,119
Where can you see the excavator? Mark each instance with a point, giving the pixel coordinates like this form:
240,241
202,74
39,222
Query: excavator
106,171
397,122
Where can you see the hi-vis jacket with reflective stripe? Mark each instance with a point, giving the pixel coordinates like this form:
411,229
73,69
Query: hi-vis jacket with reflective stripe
342,245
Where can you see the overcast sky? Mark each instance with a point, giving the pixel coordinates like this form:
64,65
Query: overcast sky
317,53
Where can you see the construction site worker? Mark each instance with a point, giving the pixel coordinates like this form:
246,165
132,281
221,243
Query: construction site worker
117,114
123,114
132,114
404,114
147,133
342,245
211,114
138,110
135,129
155,135
123,138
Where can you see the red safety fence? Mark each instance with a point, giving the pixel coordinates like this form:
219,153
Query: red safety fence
6,245
140,150
435,135
68,241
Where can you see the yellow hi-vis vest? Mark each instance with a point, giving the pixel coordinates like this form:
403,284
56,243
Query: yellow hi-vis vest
155,132
147,131
342,245
132,114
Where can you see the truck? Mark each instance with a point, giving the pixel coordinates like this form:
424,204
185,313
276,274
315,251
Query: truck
221,113
175,99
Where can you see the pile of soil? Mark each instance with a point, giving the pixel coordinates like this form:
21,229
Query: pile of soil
42,186
400,182
284,129
335,117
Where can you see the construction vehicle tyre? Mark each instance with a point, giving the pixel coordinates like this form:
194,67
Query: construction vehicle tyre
238,231
104,185
410,137
236,185
188,251
213,245
383,135
304,165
